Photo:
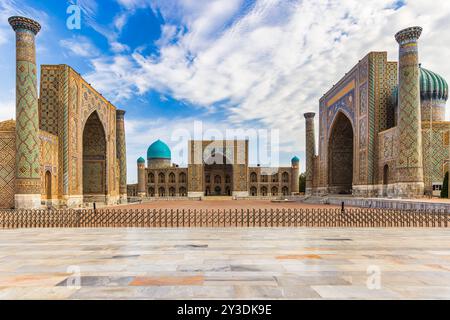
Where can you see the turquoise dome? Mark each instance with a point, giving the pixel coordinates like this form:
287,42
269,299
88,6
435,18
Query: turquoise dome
432,86
141,160
295,159
159,150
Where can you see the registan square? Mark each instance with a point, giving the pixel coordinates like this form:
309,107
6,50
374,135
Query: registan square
234,150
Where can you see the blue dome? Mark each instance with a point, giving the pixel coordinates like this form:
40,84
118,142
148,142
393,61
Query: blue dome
141,160
295,159
159,150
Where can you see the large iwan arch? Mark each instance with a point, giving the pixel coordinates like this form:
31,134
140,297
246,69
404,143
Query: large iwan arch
94,160
340,155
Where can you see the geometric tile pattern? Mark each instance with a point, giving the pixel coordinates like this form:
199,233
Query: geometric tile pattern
121,150
27,114
7,169
310,148
410,161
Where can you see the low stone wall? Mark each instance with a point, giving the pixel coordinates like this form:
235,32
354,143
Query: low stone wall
397,204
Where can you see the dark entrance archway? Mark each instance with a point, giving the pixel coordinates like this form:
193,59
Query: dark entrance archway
385,180
94,160
340,156
48,185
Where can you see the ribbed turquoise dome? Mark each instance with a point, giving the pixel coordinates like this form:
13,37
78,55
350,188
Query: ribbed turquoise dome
432,86
295,159
159,150
141,160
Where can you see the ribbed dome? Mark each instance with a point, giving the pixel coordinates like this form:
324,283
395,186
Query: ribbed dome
141,160
295,159
432,86
159,150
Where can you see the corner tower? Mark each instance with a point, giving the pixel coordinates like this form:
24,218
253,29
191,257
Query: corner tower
28,171
121,154
410,161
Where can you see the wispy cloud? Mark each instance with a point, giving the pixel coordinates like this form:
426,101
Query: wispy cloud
79,46
272,61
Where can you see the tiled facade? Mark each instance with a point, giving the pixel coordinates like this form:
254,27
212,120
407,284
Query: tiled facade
225,172
373,137
61,140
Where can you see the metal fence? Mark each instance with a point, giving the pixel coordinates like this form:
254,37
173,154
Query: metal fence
239,218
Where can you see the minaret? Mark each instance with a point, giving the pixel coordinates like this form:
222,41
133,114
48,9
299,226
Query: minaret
28,171
310,151
409,162
295,183
121,154
141,178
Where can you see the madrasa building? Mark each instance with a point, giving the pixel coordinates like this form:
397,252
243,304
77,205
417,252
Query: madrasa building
382,129
66,147
215,168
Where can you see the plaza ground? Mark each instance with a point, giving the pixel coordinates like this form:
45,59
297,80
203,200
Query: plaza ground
225,263
221,203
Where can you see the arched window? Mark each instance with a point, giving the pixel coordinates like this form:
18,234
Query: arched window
285,191
253,177
208,178
253,191
183,192
162,178
227,179
182,177
217,179
151,192
208,191
275,177
172,192
162,192
172,177
285,177
151,178
264,191
264,178
274,191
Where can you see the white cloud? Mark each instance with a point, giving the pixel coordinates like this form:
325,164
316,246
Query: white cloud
275,60
79,46
7,109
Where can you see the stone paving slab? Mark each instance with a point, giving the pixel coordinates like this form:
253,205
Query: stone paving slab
224,263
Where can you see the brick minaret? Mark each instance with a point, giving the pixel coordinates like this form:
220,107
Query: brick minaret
410,162
310,150
121,154
28,171
141,192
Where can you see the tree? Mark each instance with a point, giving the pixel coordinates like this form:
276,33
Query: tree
444,192
302,182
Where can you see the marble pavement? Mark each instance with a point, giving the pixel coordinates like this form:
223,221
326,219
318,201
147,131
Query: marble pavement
225,264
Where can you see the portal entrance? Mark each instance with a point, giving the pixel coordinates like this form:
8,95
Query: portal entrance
340,156
94,160
218,175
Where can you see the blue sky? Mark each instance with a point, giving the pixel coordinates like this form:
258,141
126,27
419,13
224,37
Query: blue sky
232,64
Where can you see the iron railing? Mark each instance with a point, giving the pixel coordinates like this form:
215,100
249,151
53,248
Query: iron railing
238,218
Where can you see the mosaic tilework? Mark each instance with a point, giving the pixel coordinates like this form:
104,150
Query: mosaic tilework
121,150
27,114
49,99
7,168
435,154
310,149
49,162
410,158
